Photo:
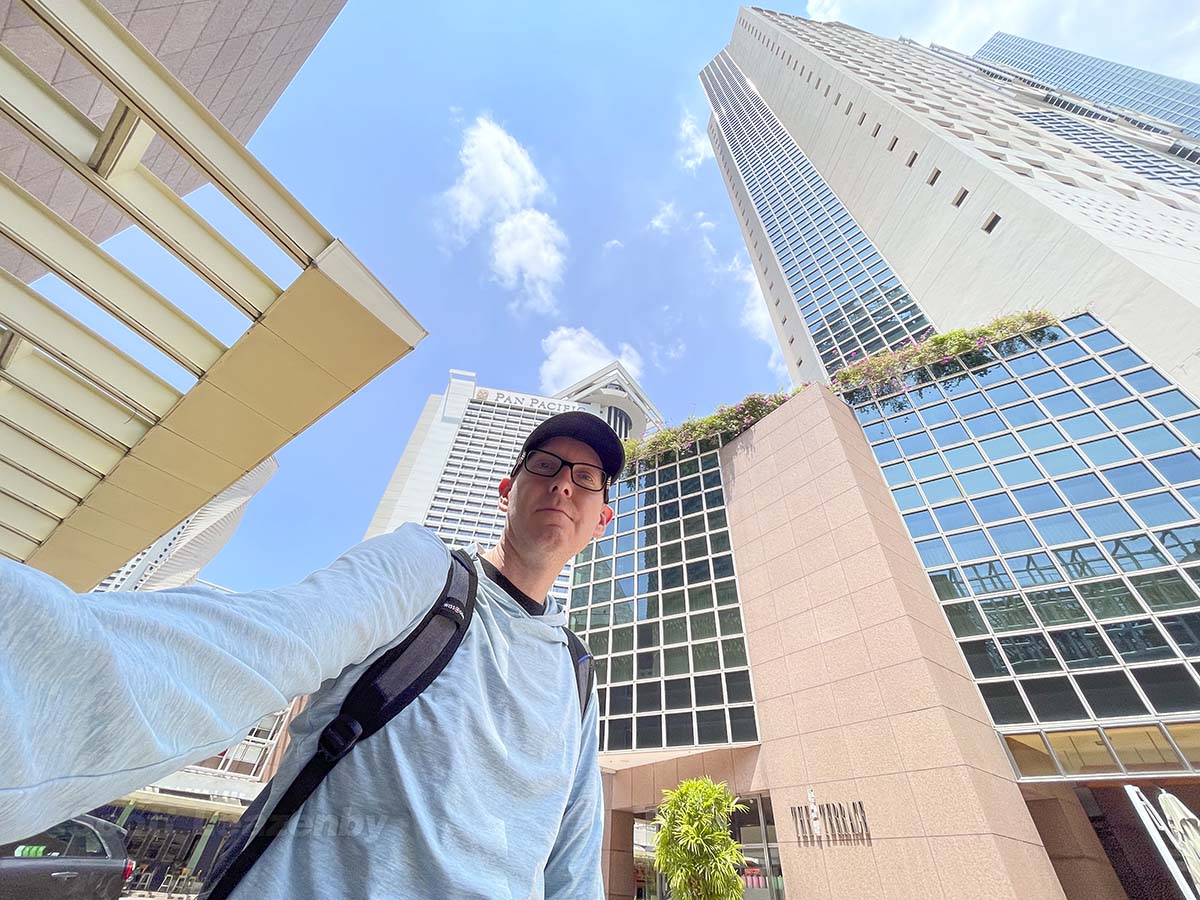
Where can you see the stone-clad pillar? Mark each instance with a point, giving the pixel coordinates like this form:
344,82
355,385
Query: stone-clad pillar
616,854
861,693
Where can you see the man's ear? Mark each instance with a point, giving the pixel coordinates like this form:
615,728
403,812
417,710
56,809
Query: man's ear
606,516
504,490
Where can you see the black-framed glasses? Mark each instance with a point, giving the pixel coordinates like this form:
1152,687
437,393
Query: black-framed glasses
547,465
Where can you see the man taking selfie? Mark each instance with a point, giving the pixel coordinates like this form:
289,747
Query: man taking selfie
450,707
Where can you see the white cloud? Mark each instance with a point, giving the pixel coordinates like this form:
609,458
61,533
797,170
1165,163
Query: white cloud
527,253
1159,35
665,218
703,222
574,353
499,188
498,178
694,146
661,355
609,246
754,315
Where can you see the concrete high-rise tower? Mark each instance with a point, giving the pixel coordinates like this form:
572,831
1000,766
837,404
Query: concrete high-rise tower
1172,100
1045,482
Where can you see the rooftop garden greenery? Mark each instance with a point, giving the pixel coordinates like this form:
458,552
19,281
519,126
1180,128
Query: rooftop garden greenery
723,425
881,371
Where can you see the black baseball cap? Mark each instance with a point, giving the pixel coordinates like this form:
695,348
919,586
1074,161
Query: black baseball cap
586,427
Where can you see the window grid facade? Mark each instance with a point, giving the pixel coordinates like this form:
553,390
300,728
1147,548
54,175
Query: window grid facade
656,600
488,441
1123,153
853,304
1171,99
1051,485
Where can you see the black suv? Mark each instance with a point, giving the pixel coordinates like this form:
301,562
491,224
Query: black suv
80,859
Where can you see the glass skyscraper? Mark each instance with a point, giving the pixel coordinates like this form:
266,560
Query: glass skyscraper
1049,481
1170,99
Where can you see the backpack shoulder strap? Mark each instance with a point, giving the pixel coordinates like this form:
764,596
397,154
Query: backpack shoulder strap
584,666
389,685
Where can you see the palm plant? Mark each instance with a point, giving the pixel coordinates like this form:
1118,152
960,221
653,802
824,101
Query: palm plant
694,849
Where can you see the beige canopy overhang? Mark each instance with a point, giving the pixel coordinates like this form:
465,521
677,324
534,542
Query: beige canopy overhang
99,456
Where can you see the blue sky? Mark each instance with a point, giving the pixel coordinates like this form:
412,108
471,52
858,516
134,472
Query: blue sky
533,181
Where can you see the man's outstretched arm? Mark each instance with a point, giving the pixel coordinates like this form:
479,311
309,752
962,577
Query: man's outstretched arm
101,694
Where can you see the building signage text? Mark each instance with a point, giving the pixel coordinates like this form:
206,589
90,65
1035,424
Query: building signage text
827,824
527,401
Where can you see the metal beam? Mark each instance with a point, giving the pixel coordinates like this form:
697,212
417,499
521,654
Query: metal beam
28,314
37,229
145,84
125,141
46,116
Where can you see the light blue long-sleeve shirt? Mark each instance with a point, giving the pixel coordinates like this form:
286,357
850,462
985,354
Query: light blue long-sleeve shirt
487,786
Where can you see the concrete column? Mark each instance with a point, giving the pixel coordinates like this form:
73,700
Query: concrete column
862,695
1077,855
616,850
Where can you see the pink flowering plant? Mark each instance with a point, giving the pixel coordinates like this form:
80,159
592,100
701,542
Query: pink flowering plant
885,368
726,423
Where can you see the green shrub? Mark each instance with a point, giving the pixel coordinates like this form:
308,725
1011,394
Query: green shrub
694,849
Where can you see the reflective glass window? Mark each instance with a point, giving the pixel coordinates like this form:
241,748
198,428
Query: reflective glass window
978,481
1083,488
1061,462
1105,391
1012,537
1038,498
957,515
1056,606
1185,631
1126,415
1018,471
1007,612
896,473
964,619
1182,543
1059,528
1123,360
1135,553
1053,699
1131,478
1029,653
919,524
970,545
1171,403
1164,590
1085,561
1103,451
1178,468
1143,748
1001,447
994,507
963,457
1030,754
1082,752
1041,436
1083,648
927,466
1146,380
1169,688
1159,509
1155,439
1084,426
1004,703
940,489
1110,694
948,584
983,658
1063,404
1034,570
1138,641
987,577
1106,519
1023,414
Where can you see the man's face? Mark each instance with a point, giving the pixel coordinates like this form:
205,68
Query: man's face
554,517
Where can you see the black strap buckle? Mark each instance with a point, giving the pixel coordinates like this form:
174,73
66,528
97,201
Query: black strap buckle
338,737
